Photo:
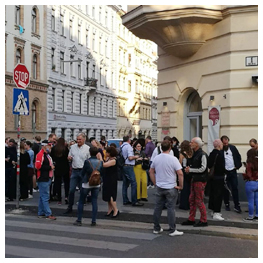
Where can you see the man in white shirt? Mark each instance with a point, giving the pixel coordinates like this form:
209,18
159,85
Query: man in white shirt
78,154
163,174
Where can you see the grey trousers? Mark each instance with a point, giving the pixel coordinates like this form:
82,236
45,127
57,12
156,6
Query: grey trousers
168,197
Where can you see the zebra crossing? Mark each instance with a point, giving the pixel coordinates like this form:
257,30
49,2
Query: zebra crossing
29,236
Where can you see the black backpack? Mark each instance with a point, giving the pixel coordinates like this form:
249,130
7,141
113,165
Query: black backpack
120,159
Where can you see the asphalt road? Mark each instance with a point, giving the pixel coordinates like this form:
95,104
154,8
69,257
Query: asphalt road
28,236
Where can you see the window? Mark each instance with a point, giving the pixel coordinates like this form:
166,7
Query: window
80,103
79,69
17,15
87,104
112,80
34,115
52,58
18,56
93,71
71,66
87,69
106,48
35,66
136,86
93,43
72,100
87,38
129,60
100,47
53,99
101,107
34,20
101,84
70,30
106,77
129,86
53,20
93,11
62,62
106,19
63,99
100,16
62,29
79,34
63,133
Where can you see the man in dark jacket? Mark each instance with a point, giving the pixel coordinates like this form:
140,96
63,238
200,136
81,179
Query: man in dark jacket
198,170
232,164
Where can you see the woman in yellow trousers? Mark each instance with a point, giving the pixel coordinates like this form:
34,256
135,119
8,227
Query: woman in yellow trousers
140,174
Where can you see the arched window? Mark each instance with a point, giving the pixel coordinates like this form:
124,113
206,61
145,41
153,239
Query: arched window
34,109
34,66
34,20
18,56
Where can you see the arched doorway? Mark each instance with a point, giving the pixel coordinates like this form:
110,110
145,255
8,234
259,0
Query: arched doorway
193,116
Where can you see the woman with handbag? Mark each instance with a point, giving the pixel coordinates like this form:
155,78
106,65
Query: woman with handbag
251,178
140,173
185,155
216,164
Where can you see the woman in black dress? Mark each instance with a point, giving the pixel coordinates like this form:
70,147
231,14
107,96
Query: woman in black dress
110,183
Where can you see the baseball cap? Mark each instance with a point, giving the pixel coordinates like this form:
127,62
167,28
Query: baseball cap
45,142
23,139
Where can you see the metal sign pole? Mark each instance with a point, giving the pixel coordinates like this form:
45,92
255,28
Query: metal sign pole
18,164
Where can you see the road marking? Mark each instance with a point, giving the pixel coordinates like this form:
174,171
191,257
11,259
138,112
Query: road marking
42,253
80,242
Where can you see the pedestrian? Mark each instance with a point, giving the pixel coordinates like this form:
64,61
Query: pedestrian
185,158
216,193
128,173
52,138
251,178
163,174
175,147
59,154
158,149
30,168
95,143
110,181
253,144
89,165
232,164
45,167
198,171
10,171
149,148
36,147
78,153
140,173
23,177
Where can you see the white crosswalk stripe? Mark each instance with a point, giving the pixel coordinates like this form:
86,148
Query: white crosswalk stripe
52,234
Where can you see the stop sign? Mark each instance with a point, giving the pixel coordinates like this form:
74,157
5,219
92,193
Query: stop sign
21,76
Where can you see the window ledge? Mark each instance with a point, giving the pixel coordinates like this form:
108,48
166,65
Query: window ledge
35,35
63,74
63,36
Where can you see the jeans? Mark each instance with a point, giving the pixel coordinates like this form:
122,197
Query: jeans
169,197
75,180
196,199
129,178
43,204
94,201
232,183
252,197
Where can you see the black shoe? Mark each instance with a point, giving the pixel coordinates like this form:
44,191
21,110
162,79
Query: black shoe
238,209
111,213
115,215
77,223
93,224
68,211
66,201
188,223
144,199
128,203
200,224
227,207
137,204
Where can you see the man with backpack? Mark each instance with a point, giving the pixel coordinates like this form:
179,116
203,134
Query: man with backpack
36,147
128,173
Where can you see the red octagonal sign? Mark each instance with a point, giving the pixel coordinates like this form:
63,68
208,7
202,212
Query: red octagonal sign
21,76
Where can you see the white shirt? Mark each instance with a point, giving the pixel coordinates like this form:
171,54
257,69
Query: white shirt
79,155
127,151
229,160
165,167
155,152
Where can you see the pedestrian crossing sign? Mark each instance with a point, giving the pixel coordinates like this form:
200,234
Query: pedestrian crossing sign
20,101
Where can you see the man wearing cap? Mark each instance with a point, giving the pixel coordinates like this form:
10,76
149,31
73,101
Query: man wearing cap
45,167
78,154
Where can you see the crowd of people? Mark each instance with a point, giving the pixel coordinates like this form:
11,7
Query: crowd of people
179,172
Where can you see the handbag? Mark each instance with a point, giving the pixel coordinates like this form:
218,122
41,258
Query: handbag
145,164
212,170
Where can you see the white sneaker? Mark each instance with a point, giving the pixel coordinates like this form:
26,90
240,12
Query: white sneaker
176,233
218,216
158,232
30,196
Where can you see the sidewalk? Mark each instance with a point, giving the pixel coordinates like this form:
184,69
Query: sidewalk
232,226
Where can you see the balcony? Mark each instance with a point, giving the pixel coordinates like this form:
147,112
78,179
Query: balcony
90,82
